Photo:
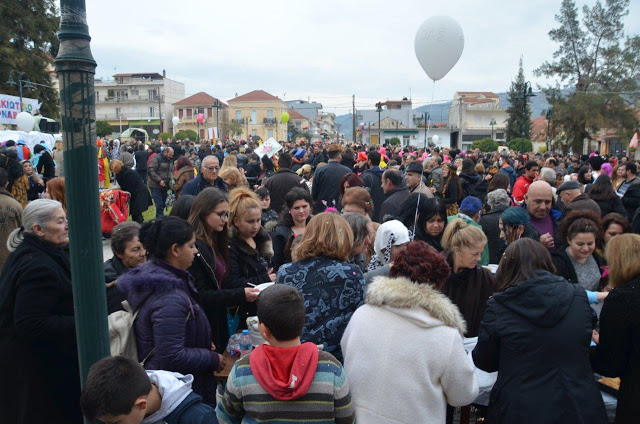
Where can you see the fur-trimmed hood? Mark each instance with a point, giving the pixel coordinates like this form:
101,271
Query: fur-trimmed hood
263,244
419,303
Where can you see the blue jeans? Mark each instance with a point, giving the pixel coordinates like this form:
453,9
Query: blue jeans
159,196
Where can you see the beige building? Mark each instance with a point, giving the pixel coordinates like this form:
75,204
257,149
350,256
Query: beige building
259,114
216,114
471,116
137,100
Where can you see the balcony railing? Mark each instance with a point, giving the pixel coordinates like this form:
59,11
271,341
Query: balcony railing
128,99
239,121
269,121
126,116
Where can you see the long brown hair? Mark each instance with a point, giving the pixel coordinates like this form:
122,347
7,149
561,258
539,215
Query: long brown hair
520,261
452,178
500,180
204,204
57,191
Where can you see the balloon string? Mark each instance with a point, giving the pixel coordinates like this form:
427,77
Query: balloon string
428,122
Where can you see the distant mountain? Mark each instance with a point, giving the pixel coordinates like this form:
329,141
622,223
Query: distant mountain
440,111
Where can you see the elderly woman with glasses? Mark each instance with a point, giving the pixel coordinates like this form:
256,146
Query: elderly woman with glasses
209,217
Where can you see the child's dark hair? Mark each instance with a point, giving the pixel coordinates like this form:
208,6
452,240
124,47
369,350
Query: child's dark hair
182,206
112,387
281,309
159,235
263,193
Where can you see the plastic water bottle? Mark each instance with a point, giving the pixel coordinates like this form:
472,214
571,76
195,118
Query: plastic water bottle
245,342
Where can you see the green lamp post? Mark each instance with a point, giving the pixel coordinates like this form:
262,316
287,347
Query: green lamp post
526,92
19,81
76,68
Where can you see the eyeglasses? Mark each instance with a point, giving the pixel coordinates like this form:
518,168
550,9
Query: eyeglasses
223,215
212,168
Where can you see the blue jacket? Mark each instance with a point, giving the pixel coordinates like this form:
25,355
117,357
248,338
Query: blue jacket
192,411
332,291
511,173
171,321
195,186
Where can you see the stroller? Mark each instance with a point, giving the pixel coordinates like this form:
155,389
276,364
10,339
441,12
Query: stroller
114,209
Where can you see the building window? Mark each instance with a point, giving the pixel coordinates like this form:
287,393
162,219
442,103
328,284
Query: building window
189,113
254,116
238,115
270,113
269,133
209,112
180,113
499,136
118,112
152,111
254,133
153,94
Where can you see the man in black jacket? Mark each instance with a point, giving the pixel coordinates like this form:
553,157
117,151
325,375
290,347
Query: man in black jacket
630,189
326,181
372,180
141,157
208,177
396,193
283,181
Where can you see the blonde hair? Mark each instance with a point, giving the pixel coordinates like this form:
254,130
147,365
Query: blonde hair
236,177
459,234
327,234
240,201
622,258
115,166
59,145
231,161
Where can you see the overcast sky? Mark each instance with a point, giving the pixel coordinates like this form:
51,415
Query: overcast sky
325,51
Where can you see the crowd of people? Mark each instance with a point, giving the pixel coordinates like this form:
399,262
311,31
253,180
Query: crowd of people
386,261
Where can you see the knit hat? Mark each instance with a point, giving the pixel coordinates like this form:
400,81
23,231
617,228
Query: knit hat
470,205
362,157
515,216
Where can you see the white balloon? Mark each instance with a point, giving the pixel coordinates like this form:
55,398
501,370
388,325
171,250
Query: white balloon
438,44
25,120
435,138
175,120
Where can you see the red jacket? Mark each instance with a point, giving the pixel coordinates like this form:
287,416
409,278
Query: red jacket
521,187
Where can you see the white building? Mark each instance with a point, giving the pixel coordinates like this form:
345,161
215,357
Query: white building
397,119
471,116
139,100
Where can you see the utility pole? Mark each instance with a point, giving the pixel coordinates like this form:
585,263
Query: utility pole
76,69
379,110
160,110
353,99
425,130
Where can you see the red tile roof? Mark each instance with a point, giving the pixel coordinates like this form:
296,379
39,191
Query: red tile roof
255,96
487,94
295,115
140,74
539,129
198,99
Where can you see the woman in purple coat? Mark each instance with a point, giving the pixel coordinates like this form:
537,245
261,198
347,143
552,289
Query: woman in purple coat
172,331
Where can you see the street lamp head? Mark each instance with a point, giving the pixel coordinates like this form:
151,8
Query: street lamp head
28,85
11,80
530,92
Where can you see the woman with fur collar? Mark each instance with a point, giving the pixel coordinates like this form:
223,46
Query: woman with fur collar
250,249
403,349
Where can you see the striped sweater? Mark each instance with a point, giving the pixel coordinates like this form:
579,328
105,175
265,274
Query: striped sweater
327,401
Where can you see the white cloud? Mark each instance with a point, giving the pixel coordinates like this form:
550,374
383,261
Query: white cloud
323,50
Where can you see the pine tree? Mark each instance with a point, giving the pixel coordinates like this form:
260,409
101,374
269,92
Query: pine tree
598,71
516,118
29,43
